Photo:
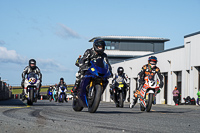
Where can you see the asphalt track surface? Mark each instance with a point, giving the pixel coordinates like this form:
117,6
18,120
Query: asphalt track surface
51,117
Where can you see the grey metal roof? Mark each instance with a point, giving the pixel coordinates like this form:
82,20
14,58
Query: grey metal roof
129,38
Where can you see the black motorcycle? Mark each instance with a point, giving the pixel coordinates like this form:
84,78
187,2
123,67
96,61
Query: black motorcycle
189,101
119,93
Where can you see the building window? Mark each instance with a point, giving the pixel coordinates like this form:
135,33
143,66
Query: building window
112,45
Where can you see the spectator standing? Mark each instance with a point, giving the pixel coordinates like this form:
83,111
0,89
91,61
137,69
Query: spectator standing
175,95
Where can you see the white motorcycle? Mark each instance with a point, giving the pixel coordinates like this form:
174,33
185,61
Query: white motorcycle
148,93
62,94
31,86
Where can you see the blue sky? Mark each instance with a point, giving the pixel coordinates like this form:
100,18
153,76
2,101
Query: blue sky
55,32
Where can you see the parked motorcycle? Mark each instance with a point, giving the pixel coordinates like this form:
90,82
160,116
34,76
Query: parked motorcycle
32,84
119,93
62,94
148,92
189,101
92,86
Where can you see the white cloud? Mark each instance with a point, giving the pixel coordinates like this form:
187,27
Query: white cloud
48,65
51,65
11,56
65,32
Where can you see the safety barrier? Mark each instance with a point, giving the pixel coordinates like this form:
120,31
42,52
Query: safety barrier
5,93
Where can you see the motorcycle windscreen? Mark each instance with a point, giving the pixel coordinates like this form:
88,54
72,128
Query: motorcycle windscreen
100,67
32,78
32,75
62,88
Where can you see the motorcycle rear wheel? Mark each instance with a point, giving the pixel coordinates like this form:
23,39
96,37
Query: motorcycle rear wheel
97,97
149,102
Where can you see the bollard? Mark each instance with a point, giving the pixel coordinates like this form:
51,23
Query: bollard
16,96
41,97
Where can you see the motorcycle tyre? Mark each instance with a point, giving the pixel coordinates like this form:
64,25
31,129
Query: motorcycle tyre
31,93
121,101
149,102
63,98
97,98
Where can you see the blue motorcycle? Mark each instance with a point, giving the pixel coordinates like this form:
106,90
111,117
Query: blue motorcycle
92,86
50,95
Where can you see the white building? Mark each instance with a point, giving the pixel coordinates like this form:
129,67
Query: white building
180,67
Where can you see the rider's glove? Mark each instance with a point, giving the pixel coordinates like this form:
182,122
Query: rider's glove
161,85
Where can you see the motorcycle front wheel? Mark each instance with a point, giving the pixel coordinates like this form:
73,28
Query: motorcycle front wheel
31,97
63,98
96,100
121,101
149,102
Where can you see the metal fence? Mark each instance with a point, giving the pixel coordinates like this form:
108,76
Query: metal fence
5,93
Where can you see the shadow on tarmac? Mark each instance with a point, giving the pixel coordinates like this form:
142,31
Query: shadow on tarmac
117,112
18,102
169,112
12,102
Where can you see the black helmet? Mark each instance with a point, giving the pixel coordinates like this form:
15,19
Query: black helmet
120,70
97,43
32,61
62,79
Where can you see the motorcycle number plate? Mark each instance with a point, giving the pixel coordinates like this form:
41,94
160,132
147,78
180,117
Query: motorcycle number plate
147,96
121,85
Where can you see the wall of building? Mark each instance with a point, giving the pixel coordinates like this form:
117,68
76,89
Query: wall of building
181,60
135,46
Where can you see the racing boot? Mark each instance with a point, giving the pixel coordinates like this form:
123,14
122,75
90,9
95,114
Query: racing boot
23,96
111,93
74,91
137,94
